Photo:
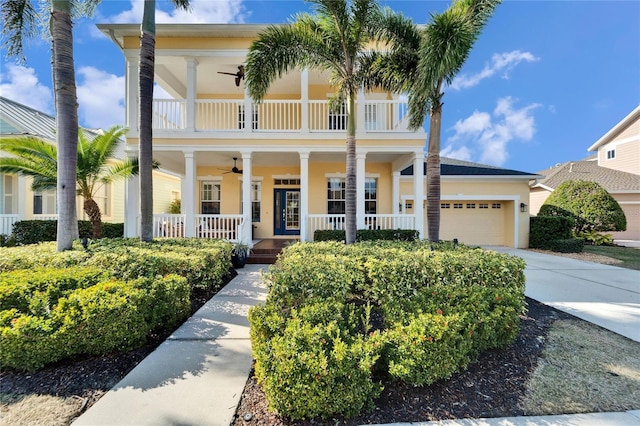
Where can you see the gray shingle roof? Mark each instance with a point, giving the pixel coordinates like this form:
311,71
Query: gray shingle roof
611,180
453,167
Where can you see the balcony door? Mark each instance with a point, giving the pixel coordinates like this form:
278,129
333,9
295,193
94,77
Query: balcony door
286,212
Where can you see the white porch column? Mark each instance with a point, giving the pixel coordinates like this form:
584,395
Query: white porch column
418,191
360,117
132,96
360,177
246,197
131,202
248,111
304,100
188,203
304,194
192,80
395,192
22,197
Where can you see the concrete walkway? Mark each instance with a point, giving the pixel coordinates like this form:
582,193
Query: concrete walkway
197,376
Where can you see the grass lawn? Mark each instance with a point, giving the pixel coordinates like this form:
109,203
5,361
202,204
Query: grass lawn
629,256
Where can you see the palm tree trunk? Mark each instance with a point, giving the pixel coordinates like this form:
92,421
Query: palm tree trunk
350,185
433,173
64,83
93,212
146,69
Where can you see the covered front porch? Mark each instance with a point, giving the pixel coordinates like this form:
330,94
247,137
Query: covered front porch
275,192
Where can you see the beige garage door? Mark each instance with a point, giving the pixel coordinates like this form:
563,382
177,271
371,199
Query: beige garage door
473,222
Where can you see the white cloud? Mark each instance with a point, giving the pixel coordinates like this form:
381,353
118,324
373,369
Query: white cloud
500,62
101,98
485,136
202,12
21,84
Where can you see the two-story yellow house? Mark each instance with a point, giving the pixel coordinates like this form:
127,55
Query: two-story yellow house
276,169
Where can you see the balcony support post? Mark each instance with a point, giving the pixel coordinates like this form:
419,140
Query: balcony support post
189,194
247,211
360,184
132,96
304,100
304,193
192,81
418,191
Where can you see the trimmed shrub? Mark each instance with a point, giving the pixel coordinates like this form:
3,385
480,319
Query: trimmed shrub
421,313
314,367
111,315
588,203
596,239
568,245
368,235
544,230
37,231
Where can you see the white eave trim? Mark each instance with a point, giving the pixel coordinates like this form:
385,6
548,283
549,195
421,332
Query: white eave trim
633,115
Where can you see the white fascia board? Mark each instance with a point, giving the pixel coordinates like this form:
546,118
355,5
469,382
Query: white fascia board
633,115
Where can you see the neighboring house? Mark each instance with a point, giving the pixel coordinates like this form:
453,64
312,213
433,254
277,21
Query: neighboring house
615,166
277,169
19,202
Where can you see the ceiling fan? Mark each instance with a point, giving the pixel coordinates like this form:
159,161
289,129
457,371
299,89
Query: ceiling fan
234,169
238,75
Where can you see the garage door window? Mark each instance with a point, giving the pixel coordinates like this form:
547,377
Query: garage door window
445,206
471,205
457,205
496,205
484,205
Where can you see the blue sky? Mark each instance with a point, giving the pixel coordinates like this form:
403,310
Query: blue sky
544,81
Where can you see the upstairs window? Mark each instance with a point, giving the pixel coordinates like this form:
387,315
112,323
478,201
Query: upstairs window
611,154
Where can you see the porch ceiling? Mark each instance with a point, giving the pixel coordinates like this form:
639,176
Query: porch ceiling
174,161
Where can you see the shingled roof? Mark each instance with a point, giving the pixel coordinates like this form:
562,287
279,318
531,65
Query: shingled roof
588,170
453,167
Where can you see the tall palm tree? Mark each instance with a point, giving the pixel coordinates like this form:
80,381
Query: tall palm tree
145,114
422,64
338,39
37,158
20,19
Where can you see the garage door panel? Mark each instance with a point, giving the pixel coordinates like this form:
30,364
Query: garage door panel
473,222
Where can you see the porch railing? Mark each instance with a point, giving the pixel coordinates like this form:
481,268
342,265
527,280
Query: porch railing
372,221
218,226
6,223
278,115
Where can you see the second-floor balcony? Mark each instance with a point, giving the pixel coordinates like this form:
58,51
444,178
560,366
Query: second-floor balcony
295,116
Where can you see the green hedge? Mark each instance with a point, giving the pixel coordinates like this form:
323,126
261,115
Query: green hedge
415,311
367,235
111,315
544,230
37,231
568,245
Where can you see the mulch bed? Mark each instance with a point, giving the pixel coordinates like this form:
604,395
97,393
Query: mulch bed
491,387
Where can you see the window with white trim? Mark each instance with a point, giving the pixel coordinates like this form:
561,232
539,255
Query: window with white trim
8,188
611,154
102,197
370,196
209,197
336,195
256,198
44,202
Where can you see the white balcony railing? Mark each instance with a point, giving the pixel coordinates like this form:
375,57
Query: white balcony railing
168,225
372,221
278,116
6,223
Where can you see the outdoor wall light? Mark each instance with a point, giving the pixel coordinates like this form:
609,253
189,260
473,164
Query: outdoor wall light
523,207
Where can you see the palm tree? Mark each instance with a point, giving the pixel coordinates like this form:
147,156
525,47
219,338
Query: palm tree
37,158
422,64
20,18
145,115
336,39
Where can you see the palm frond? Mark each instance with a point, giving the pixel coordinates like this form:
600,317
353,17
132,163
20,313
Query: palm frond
20,20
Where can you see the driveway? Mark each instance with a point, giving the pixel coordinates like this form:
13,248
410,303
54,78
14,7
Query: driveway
605,295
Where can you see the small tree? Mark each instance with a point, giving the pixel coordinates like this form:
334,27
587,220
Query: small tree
588,203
